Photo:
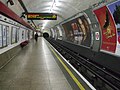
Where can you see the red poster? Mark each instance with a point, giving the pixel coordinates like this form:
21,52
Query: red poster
108,29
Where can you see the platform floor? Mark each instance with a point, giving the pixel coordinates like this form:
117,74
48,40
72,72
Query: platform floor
34,68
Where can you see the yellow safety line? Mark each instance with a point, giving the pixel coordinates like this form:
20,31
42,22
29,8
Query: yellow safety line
70,73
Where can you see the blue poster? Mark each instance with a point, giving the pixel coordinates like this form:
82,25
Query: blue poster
114,9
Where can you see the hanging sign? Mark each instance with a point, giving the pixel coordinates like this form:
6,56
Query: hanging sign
41,16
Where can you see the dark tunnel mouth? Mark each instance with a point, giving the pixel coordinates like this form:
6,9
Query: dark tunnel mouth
45,35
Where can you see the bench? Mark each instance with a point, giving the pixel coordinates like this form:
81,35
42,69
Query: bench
24,43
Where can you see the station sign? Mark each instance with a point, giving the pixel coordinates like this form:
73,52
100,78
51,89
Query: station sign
41,16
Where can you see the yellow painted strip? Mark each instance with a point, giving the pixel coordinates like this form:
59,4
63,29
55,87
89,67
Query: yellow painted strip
70,73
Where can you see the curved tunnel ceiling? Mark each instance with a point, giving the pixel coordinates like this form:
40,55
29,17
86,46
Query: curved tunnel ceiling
63,8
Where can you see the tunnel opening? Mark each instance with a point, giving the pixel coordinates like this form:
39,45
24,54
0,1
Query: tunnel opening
45,35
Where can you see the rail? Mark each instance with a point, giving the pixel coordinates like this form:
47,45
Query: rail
97,72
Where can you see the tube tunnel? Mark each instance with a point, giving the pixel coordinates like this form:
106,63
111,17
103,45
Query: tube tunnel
46,35
77,46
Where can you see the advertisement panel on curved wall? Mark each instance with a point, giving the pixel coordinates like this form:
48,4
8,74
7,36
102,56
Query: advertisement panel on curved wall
114,9
14,34
8,36
108,29
60,33
78,31
60,30
4,35
57,32
0,35
68,31
17,34
52,33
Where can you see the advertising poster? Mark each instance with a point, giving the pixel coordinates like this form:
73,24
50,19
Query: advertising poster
57,32
4,35
13,35
85,32
68,32
0,35
26,37
78,31
60,30
17,35
28,34
108,29
8,38
52,32
23,34
114,9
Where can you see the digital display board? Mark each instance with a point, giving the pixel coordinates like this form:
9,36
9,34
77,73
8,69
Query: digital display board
41,16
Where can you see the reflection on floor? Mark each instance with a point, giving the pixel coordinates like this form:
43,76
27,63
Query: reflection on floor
33,69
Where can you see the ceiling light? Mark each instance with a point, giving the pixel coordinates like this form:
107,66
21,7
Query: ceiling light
45,23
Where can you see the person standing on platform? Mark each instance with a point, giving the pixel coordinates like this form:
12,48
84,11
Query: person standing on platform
36,36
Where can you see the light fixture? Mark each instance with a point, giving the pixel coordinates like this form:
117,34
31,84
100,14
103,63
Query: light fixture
45,24
54,5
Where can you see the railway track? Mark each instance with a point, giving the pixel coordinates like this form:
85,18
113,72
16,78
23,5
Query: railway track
100,77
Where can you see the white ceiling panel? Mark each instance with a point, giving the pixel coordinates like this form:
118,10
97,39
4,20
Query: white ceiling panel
64,8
